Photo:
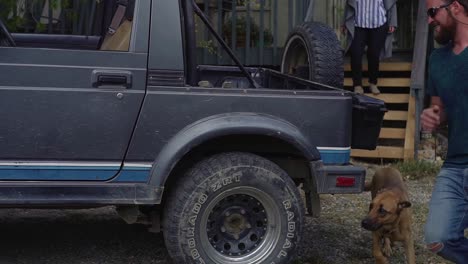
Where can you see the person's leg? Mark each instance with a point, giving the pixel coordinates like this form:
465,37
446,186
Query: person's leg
356,51
375,45
448,216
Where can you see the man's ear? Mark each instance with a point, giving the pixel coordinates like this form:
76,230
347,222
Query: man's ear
404,204
459,7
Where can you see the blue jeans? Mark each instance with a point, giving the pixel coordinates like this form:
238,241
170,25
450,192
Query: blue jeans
448,215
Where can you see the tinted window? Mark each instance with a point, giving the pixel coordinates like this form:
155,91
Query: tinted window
67,24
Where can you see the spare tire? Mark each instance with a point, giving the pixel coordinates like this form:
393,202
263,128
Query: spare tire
313,51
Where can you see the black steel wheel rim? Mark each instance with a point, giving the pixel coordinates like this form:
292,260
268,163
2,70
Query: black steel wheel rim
237,225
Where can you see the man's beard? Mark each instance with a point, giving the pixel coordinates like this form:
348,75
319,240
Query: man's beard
444,34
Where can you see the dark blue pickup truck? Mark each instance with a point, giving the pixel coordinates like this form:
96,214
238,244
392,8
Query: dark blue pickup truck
122,114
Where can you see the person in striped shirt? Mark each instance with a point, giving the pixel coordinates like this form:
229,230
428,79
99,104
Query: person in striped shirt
369,23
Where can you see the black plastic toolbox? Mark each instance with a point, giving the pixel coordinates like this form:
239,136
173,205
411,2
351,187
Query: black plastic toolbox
368,114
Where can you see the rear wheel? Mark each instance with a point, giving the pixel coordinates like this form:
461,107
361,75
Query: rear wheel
313,52
233,208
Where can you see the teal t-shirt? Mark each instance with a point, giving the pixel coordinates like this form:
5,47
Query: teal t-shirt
448,79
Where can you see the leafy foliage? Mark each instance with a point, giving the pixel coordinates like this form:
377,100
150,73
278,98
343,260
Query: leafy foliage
28,16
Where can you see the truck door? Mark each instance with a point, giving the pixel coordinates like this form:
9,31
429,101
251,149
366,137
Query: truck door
72,81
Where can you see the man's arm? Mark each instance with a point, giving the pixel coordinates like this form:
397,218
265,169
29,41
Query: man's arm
434,116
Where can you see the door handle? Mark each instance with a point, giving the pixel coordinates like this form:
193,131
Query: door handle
111,79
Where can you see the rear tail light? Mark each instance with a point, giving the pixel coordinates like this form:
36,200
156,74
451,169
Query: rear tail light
345,181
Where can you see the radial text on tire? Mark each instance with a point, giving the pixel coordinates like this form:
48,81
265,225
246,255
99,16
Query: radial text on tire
233,208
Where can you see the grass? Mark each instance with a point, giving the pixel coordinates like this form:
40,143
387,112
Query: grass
417,169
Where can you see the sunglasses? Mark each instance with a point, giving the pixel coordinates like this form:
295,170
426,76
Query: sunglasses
432,12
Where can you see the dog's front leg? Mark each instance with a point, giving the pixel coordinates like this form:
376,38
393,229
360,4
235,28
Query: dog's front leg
387,247
405,235
409,249
377,249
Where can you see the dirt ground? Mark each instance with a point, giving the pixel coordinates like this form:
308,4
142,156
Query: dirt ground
337,236
76,236
99,236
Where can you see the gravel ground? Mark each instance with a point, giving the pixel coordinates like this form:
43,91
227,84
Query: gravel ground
337,236
99,236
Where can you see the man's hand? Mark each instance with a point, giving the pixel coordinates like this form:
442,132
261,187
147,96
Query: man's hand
431,118
391,29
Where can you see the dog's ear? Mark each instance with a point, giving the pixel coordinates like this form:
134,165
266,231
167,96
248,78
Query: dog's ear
404,204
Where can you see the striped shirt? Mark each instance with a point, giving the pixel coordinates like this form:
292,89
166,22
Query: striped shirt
370,13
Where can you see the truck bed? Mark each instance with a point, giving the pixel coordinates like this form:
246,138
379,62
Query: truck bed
232,77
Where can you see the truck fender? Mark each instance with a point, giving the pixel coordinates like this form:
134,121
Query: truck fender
223,125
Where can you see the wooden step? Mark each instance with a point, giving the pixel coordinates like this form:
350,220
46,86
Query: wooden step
393,133
391,98
399,135
396,115
386,66
380,152
383,82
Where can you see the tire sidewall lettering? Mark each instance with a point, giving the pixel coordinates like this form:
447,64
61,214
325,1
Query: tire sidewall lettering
222,181
291,229
196,209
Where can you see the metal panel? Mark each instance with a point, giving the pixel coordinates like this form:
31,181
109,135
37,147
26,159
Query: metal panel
63,194
166,50
157,124
418,72
54,112
140,31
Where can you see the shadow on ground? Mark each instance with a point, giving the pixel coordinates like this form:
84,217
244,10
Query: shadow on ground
75,236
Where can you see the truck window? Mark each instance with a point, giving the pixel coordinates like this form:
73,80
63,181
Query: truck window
67,24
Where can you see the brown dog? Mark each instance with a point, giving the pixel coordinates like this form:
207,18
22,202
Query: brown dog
389,216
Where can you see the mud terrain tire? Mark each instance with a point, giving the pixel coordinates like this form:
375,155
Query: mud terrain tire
313,51
233,208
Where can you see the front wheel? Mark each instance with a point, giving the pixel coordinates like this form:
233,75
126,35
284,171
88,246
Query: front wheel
233,208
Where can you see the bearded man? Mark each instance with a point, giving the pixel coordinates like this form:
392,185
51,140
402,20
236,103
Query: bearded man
448,88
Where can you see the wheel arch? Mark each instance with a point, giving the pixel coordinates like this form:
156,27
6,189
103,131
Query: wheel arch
222,128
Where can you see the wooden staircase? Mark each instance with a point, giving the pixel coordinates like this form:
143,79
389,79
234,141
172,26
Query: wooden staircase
396,140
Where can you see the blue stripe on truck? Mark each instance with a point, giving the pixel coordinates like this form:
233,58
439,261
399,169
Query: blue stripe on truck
73,173
129,173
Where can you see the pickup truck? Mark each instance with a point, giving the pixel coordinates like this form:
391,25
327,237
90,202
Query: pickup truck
121,114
